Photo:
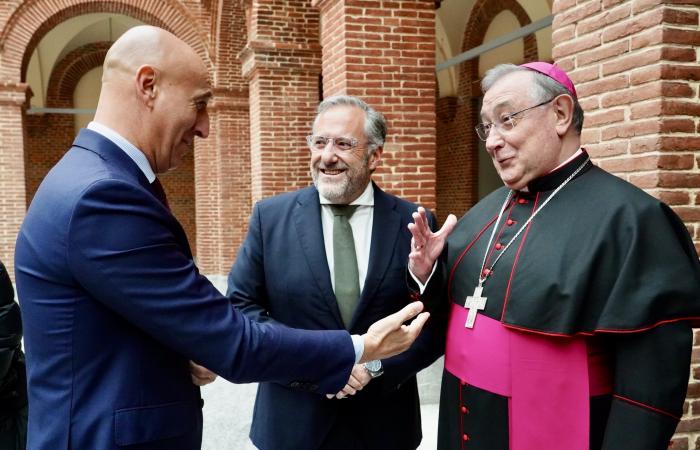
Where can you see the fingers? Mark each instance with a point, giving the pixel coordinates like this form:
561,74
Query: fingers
448,226
200,375
386,337
415,327
361,374
420,228
406,313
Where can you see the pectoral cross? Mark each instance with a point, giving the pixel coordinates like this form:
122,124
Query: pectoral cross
474,303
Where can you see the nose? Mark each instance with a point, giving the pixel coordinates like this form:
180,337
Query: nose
494,140
201,126
328,154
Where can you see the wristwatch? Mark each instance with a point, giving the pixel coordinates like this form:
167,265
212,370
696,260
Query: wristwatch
374,368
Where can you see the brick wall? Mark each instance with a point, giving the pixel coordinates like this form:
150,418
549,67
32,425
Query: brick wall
635,65
222,162
282,63
458,149
12,186
384,52
22,26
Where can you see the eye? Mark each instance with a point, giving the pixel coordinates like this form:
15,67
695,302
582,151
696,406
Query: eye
201,105
319,142
344,143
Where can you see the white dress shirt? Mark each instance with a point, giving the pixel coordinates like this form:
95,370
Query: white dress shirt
361,224
130,149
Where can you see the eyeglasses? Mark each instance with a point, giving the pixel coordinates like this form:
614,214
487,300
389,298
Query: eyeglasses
319,143
506,123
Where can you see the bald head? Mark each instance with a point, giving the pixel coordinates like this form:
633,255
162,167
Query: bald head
154,93
146,45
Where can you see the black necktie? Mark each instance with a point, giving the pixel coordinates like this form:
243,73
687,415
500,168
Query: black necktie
160,192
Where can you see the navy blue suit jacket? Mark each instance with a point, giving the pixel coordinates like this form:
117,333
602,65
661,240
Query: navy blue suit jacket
114,307
281,275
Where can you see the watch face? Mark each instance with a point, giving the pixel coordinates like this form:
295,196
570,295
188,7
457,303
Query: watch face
373,366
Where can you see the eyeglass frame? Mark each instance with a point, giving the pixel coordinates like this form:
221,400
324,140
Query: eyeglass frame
509,118
354,143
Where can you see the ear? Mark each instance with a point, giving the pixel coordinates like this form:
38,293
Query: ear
564,109
375,159
146,86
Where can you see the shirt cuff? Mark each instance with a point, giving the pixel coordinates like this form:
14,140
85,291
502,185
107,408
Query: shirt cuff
421,286
359,344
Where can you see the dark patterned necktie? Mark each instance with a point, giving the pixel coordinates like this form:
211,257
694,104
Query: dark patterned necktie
345,271
160,192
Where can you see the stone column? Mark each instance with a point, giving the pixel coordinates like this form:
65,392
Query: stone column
13,99
384,52
282,64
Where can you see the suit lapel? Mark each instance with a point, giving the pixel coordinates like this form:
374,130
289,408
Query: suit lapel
307,220
118,159
386,228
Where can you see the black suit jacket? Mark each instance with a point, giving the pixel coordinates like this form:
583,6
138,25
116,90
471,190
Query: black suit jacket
281,274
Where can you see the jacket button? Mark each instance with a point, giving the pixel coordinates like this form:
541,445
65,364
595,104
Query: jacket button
522,201
464,410
462,382
465,438
499,246
510,222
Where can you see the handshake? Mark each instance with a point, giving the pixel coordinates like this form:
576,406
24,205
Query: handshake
384,338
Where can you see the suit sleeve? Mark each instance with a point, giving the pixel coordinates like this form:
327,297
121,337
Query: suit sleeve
246,281
428,347
651,379
123,250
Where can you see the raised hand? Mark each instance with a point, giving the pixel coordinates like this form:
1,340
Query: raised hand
201,375
359,377
426,246
389,336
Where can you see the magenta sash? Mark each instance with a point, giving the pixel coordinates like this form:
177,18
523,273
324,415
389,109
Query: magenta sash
548,379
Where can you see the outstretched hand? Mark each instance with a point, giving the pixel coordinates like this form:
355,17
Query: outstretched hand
389,336
426,246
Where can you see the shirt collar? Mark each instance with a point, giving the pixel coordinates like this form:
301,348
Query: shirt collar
130,149
365,199
557,176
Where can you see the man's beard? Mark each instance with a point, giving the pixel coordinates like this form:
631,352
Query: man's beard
354,181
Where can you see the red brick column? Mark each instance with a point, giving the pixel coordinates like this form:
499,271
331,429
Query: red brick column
384,52
636,71
222,180
222,162
13,98
282,63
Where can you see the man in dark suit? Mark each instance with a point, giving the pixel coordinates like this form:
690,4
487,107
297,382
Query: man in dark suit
294,269
113,304
13,380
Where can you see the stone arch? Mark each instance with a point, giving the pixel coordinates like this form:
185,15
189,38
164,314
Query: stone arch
32,20
69,70
458,149
43,149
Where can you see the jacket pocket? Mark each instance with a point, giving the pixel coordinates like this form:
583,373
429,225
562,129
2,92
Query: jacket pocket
153,423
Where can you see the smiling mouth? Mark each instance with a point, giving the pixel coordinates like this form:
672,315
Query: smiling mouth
332,172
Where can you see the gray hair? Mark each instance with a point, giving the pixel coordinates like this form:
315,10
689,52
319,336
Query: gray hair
544,88
375,125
